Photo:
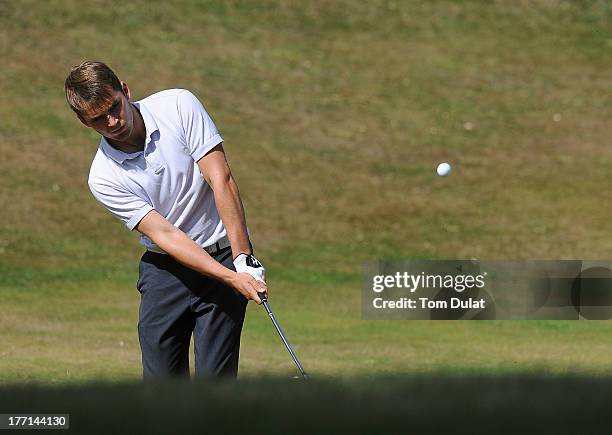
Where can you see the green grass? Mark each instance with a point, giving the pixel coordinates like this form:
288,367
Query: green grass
415,404
335,115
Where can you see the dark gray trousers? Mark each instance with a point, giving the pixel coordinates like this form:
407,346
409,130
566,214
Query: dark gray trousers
177,302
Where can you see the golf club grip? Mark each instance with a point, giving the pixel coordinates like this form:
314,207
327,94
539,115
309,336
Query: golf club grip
263,296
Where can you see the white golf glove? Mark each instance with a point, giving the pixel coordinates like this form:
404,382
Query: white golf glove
247,263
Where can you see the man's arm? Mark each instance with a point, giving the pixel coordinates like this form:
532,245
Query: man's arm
216,172
178,245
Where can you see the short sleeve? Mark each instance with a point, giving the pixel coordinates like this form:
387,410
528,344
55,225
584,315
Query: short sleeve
201,134
124,205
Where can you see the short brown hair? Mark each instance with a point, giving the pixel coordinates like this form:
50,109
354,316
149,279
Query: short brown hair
89,86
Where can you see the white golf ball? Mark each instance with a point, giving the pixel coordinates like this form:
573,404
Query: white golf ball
443,169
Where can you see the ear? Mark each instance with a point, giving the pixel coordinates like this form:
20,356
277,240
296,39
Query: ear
126,90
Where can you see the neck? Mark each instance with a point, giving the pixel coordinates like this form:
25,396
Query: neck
136,140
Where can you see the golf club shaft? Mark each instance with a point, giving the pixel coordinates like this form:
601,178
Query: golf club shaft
266,305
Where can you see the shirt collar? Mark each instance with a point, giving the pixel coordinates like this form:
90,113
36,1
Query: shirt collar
150,128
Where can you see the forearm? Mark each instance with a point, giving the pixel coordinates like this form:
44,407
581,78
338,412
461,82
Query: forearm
231,211
176,244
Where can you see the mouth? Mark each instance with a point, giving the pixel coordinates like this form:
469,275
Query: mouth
118,130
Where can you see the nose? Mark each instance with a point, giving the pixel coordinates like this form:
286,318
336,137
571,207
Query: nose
111,121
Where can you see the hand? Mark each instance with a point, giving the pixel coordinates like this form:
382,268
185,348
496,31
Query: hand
249,286
247,263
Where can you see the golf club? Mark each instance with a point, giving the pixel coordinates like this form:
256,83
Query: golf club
264,299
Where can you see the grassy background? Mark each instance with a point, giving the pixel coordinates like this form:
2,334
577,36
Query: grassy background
334,116
423,404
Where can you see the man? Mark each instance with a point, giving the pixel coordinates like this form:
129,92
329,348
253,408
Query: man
161,169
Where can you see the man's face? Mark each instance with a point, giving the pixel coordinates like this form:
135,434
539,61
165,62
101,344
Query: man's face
114,118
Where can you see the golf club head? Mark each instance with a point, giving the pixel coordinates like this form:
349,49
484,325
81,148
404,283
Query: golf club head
304,377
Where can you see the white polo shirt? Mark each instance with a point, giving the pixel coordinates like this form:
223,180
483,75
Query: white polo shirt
165,176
